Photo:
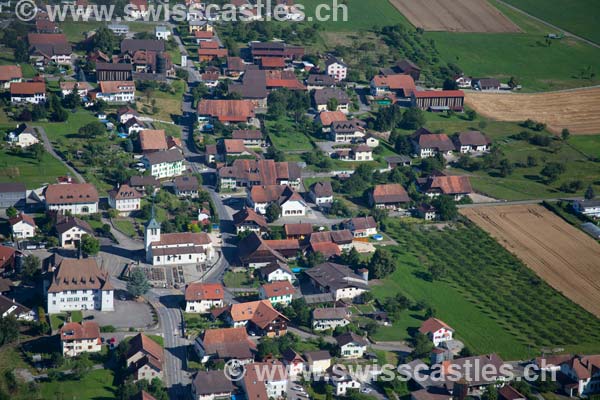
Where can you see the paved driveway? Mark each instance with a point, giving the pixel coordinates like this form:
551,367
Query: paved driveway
127,314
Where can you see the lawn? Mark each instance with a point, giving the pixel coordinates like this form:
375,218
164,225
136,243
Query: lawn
169,104
57,320
495,303
362,15
238,279
75,31
576,16
589,145
29,171
285,137
125,226
523,55
170,129
527,183
97,384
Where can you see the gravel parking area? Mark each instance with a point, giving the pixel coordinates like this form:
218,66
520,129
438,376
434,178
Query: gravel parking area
127,314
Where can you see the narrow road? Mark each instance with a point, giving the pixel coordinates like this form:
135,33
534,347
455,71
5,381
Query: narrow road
53,153
513,203
558,28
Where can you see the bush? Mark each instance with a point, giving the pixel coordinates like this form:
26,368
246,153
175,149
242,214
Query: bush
107,328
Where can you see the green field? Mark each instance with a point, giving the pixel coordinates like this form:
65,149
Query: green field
494,302
97,384
125,226
57,320
527,183
577,16
285,136
29,171
362,15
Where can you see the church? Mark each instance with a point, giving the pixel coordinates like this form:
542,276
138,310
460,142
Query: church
176,248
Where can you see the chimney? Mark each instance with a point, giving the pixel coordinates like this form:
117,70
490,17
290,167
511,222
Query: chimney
364,273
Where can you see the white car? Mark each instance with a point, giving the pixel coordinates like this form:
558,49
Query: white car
298,388
366,390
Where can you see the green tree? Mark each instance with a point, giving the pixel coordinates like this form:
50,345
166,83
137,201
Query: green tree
531,161
552,171
412,118
490,393
446,208
273,212
436,271
92,130
11,212
421,346
104,40
589,193
30,267
138,283
90,246
382,263
471,115
9,330
267,347
21,52
402,145
565,133
332,104
37,151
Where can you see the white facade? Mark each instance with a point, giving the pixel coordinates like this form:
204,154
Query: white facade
202,306
347,293
280,275
343,107
591,209
73,348
75,208
124,205
22,230
162,33
293,208
26,139
69,238
477,149
363,155
276,388
117,97
440,336
284,299
329,323
71,300
166,169
337,70
352,350
37,98
183,256
342,385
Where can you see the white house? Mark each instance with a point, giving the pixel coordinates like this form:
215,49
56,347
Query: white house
125,199
270,375
321,193
24,137
591,208
9,306
164,164
176,248
290,201
343,384
436,330
361,226
336,68
125,113
76,198
351,345
278,292
78,284
77,338
68,87
338,280
10,74
472,142
28,92
277,272
293,361
22,226
330,318
202,297
162,32
318,361
211,385
70,231
585,371
117,91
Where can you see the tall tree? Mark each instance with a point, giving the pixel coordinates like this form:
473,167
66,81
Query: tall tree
138,283
30,267
589,193
273,212
382,263
90,246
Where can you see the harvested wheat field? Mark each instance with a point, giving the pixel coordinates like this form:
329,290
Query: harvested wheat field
577,110
455,15
562,255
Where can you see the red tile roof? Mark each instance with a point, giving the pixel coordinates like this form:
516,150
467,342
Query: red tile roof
153,139
204,291
449,184
143,343
29,88
227,110
278,288
125,192
28,219
46,38
328,249
169,239
249,215
297,229
71,193
329,117
432,325
117,86
396,82
439,141
390,193
79,274
272,62
9,72
80,331
284,79
438,93
234,146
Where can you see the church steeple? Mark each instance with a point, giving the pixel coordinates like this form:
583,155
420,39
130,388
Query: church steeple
151,233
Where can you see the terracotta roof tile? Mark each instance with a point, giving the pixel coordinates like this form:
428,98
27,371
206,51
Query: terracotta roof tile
390,193
80,331
204,291
71,193
153,139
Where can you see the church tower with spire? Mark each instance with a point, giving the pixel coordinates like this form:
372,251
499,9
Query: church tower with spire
151,234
